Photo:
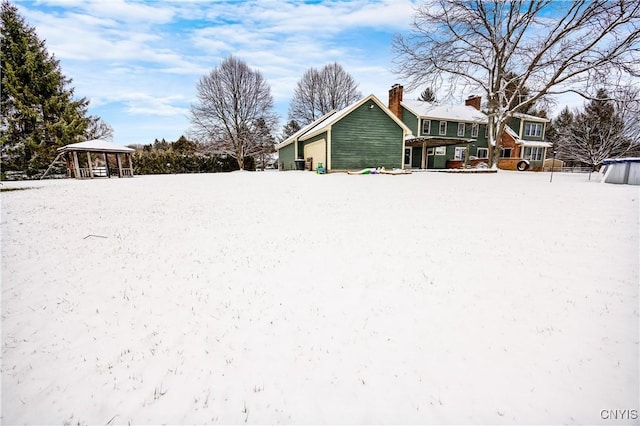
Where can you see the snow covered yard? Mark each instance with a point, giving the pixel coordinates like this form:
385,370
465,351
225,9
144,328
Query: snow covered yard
301,298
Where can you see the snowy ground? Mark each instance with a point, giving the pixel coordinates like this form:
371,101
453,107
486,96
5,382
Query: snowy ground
290,297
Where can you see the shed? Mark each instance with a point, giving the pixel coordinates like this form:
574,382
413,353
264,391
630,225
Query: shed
621,171
97,158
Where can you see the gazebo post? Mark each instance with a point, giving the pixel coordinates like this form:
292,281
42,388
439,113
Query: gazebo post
76,164
67,159
424,155
106,163
89,162
119,164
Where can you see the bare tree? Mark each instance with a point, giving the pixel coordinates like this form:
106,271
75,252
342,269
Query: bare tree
321,91
604,129
501,48
627,105
98,129
234,108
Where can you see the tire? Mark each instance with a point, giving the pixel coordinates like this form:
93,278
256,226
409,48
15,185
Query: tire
522,165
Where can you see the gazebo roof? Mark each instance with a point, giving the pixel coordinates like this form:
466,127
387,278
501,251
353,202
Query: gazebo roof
95,145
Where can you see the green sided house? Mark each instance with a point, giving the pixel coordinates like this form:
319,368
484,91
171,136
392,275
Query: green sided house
364,134
454,136
524,139
445,135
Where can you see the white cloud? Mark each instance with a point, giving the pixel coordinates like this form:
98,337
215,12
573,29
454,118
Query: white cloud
145,58
119,10
146,104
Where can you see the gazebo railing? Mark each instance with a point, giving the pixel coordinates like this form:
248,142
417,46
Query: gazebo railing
101,171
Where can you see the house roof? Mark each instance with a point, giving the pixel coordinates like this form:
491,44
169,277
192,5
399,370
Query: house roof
303,130
529,117
324,123
95,145
536,143
463,113
523,142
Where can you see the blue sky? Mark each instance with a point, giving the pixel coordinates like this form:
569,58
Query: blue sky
139,62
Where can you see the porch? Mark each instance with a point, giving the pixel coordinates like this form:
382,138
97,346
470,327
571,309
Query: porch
430,152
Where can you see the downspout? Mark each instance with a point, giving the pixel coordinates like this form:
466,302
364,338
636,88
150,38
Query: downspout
404,138
329,148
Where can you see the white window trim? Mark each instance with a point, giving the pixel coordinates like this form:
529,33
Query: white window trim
428,123
486,150
440,132
458,149
533,129
463,127
441,150
474,130
534,152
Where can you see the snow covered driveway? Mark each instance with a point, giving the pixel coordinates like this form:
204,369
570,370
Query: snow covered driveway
301,298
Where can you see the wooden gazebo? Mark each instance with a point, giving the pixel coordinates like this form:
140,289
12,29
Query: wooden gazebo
97,158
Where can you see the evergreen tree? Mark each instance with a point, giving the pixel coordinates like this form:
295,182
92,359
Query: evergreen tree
39,112
556,128
289,129
184,146
427,95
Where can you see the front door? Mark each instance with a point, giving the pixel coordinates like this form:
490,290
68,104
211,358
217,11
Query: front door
407,158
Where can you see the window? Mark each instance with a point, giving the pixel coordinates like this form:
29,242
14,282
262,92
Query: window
407,156
474,130
443,128
426,127
505,153
533,153
460,129
441,150
430,151
533,129
460,153
483,153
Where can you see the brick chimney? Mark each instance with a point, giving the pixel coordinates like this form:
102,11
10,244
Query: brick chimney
473,101
395,97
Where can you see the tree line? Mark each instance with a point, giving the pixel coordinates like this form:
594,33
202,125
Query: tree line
183,156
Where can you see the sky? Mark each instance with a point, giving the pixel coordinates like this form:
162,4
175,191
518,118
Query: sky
138,62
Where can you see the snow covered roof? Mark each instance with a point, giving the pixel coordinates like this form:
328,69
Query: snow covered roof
429,110
303,130
95,145
535,143
529,117
324,123
523,142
